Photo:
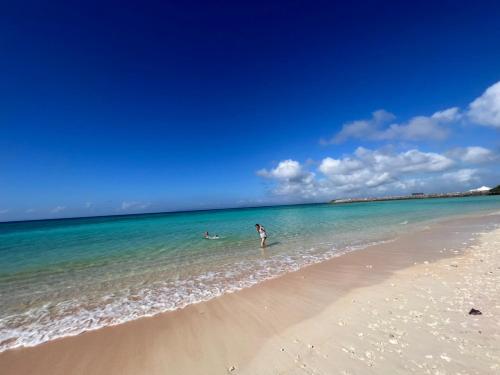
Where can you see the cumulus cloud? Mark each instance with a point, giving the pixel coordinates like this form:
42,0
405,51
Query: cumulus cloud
383,170
378,171
292,178
368,168
462,176
409,161
367,129
473,154
422,128
58,209
485,110
286,170
448,115
133,205
382,128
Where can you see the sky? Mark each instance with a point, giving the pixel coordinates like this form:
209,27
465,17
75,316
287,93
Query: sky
126,107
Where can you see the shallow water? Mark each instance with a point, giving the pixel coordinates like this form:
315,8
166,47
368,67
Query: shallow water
62,277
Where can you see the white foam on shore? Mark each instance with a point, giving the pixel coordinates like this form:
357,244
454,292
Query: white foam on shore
77,315
70,318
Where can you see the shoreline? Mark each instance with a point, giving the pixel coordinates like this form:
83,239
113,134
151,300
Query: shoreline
168,340
410,197
245,284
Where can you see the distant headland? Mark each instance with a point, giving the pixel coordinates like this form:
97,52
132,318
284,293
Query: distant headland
483,190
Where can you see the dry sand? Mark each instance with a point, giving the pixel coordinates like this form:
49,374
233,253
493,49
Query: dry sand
399,307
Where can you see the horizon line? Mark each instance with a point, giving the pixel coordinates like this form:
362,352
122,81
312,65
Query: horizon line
158,212
212,209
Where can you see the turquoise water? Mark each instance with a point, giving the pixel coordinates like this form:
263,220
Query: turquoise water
62,277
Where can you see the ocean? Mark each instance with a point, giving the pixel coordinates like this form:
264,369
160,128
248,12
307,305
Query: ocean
64,277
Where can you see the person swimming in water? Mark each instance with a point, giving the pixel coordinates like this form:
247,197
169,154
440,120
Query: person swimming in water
262,233
207,236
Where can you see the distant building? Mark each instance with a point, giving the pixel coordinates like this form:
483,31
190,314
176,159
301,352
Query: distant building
417,194
480,189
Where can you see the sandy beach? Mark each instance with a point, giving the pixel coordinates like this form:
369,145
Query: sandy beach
397,307
250,188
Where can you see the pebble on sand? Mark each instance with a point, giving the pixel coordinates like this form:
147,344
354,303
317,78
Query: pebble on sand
445,357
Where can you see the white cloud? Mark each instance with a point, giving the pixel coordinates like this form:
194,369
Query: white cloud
409,161
485,110
463,176
380,128
367,129
385,171
58,209
133,205
345,165
448,115
292,178
418,128
89,204
381,171
286,169
30,210
4,211
473,154
368,168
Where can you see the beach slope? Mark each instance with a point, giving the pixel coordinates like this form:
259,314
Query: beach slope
398,307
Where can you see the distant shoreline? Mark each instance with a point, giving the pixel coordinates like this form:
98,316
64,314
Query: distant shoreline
407,197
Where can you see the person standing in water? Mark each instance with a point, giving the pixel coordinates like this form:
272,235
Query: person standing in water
262,234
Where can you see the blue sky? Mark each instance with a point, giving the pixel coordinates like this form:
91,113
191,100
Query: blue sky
118,107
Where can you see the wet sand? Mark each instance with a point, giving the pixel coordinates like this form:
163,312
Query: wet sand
395,307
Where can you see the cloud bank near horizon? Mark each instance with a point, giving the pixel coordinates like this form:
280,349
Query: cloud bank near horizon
395,167
380,171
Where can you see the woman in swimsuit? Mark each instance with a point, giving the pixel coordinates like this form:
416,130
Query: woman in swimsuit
262,234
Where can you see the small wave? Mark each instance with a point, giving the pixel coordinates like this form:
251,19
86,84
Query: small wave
70,318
